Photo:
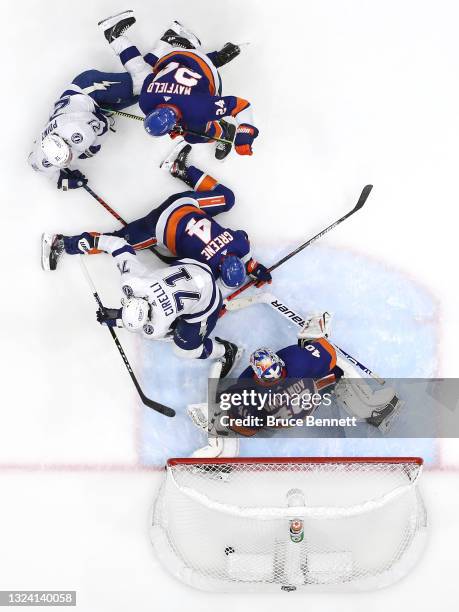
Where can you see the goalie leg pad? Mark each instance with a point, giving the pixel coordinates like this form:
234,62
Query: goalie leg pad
219,447
358,399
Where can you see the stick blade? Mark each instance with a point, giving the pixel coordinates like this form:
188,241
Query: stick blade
363,197
161,408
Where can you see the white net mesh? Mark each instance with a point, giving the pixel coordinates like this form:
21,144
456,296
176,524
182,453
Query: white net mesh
226,526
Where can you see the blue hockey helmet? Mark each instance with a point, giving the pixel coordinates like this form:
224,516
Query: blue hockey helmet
232,271
160,121
266,364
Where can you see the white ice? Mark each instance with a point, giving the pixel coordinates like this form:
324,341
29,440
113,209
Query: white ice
345,93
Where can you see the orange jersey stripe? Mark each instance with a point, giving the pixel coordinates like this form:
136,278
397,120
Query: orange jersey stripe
207,183
330,349
145,244
172,223
218,129
240,105
325,381
243,431
215,201
202,64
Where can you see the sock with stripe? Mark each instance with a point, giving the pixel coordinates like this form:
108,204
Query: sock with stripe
214,130
199,180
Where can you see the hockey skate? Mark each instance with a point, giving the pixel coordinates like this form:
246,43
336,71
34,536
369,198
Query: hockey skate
223,149
226,54
230,358
115,26
178,36
52,247
176,162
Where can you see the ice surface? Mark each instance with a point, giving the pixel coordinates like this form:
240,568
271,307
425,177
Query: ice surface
383,318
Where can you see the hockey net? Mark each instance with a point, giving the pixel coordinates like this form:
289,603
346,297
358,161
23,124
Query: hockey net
248,524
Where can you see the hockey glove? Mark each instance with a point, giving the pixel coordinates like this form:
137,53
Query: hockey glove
226,54
81,244
259,273
245,135
71,179
109,316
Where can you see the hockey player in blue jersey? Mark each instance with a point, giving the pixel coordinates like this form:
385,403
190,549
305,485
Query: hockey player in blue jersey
184,226
301,371
181,92
79,124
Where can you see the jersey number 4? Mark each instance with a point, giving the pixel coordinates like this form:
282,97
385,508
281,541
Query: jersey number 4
202,229
179,296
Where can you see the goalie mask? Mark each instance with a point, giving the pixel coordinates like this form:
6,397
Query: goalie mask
316,326
135,313
267,365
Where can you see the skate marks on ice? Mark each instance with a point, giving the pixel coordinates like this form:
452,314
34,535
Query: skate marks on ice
382,317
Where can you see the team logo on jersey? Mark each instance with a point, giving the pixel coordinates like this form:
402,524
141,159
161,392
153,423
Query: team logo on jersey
127,290
148,329
76,138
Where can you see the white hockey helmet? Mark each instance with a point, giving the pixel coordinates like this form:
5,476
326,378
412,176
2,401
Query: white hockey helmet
56,150
317,325
135,313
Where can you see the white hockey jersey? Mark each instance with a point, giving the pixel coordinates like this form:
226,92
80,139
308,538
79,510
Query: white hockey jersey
77,119
186,289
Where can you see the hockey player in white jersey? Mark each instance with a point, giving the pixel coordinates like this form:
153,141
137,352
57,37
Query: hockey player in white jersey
181,302
78,124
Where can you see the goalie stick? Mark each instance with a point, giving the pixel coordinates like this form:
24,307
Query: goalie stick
183,131
165,410
361,201
293,317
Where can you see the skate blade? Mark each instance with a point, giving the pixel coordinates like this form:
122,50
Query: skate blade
169,160
107,22
45,250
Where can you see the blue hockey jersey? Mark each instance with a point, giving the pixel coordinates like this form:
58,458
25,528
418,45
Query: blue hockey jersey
189,82
187,231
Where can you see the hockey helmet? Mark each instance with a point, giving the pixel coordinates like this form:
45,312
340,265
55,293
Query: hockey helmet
56,150
266,364
135,313
232,271
160,121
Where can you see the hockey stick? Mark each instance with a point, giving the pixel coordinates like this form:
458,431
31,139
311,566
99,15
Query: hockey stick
119,218
165,410
131,116
361,201
294,317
